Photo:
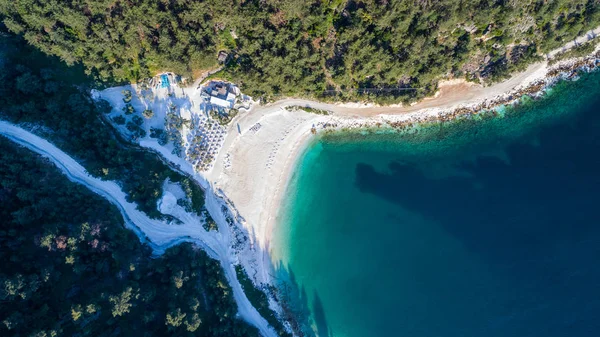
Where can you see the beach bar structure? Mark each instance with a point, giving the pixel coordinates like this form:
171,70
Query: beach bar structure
221,102
220,94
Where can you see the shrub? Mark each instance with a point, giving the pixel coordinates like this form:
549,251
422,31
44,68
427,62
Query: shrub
137,120
128,109
120,120
148,113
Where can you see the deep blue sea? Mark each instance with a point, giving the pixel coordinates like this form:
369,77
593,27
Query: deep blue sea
483,227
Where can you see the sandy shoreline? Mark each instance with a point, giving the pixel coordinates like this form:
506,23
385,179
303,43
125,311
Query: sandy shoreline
283,183
260,164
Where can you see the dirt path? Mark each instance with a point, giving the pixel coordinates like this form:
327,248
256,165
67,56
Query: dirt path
451,93
204,75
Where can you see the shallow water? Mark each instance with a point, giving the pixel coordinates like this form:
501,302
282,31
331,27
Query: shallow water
483,227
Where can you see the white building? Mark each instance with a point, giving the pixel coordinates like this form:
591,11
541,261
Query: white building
221,102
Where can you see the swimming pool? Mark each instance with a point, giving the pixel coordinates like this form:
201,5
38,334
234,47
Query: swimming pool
164,81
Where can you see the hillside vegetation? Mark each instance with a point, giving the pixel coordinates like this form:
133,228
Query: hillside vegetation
70,268
39,90
319,48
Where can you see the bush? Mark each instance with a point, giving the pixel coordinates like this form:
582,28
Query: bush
162,140
131,127
148,113
103,106
160,134
128,109
120,120
137,120
156,133
127,94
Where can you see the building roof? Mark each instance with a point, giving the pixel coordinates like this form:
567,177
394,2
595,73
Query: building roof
221,102
222,57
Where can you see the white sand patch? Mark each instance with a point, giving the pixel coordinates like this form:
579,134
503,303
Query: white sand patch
175,189
167,203
257,171
173,192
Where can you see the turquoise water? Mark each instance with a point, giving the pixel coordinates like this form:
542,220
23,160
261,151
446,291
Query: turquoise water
482,227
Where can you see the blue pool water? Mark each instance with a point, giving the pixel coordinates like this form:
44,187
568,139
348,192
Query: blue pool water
164,81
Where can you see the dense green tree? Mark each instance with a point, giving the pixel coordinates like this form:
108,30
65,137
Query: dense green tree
71,268
293,47
122,302
148,113
175,318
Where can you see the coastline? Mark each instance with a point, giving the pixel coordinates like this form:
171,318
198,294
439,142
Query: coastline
418,185
263,145
257,194
283,184
299,142
286,134
256,152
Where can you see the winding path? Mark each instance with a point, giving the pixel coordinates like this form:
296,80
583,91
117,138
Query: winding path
157,233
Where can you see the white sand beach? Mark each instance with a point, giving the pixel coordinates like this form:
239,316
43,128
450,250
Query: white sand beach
261,163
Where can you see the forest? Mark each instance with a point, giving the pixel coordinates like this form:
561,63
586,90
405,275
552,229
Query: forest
384,50
70,268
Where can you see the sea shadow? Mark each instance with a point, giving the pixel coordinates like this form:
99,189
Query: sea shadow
319,316
542,194
297,310
532,220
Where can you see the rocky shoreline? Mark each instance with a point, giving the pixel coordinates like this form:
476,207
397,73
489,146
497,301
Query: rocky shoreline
565,70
